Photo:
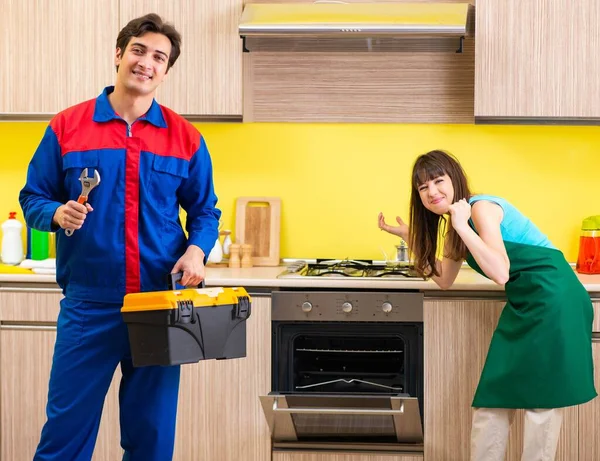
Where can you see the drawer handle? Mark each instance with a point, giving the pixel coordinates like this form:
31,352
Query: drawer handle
32,327
9,289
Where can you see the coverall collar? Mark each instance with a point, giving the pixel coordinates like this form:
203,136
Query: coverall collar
103,112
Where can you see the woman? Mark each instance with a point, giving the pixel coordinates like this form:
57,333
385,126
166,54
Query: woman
540,356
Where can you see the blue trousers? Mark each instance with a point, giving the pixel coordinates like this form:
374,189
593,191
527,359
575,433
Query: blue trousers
91,341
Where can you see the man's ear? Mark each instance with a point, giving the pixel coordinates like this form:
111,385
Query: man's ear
118,57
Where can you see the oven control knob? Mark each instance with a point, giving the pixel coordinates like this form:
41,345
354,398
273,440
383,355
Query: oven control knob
347,307
307,306
386,307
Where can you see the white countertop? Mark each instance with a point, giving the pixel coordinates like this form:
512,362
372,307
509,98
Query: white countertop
467,280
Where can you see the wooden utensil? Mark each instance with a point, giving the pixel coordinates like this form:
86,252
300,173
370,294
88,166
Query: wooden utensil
257,222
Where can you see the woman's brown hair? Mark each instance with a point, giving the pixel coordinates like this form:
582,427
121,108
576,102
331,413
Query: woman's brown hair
424,224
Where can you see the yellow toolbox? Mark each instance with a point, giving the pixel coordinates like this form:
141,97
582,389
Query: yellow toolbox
186,326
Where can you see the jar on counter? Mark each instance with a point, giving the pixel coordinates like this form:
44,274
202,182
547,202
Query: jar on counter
588,260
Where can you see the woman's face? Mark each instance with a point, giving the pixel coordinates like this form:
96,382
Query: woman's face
437,195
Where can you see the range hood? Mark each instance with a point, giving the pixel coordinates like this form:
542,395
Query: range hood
342,21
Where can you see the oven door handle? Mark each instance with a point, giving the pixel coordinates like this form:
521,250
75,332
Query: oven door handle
339,411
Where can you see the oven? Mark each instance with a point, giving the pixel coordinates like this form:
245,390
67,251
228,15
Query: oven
347,371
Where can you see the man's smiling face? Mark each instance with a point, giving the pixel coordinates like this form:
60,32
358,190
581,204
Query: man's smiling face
144,63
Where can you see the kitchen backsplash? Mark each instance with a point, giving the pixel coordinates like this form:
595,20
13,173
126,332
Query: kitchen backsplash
333,179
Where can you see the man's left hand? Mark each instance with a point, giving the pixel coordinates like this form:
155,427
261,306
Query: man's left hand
192,266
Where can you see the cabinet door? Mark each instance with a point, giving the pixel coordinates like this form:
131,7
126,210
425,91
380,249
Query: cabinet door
589,414
537,59
207,77
55,53
27,336
457,336
316,456
25,363
219,414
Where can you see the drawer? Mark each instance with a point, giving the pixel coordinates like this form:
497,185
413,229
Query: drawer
29,304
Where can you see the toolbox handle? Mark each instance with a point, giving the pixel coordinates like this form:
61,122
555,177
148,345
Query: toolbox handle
172,280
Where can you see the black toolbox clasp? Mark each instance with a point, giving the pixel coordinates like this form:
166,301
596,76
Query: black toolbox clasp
242,308
184,312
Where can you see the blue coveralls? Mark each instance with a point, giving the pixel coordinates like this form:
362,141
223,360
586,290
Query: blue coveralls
128,244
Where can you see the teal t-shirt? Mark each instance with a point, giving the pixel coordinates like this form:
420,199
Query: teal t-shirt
515,226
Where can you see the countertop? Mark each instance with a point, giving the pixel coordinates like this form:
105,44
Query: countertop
266,277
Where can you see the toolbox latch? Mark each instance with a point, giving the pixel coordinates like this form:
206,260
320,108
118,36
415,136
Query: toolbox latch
242,309
184,312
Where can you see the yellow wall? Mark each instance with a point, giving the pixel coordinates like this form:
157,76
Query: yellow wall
333,179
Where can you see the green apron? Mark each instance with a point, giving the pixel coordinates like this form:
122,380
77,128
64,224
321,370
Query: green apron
540,355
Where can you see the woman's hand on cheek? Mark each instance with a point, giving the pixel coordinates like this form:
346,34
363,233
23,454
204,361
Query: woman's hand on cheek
460,213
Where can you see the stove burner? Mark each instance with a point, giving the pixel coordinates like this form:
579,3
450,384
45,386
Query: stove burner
357,268
345,268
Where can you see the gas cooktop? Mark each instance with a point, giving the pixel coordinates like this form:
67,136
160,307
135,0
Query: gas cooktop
341,268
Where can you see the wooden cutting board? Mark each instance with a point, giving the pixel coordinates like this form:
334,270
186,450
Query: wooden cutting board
257,222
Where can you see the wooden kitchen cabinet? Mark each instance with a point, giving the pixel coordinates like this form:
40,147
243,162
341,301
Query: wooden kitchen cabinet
417,81
62,53
26,346
332,456
56,54
589,413
537,59
220,416
457,336
359,87
589,418
206,80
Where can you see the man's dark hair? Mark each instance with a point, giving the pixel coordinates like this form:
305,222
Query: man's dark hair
151,22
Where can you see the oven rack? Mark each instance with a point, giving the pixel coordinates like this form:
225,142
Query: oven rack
352,351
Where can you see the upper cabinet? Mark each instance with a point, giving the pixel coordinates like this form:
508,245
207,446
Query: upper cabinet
397,63
537,60
55,54
206,80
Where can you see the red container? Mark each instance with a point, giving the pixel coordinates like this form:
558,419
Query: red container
588,261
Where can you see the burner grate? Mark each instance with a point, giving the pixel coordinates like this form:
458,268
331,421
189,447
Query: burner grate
358,268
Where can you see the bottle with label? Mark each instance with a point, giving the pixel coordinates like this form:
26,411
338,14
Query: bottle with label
12,243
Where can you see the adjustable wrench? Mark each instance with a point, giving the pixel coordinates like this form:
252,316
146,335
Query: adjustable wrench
87,184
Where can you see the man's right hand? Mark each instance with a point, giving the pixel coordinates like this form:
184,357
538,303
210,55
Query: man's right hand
401,230
71,215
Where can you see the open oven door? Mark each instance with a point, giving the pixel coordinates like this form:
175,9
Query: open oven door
349,422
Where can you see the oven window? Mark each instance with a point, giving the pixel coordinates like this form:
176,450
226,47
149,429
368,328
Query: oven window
311,427
350,364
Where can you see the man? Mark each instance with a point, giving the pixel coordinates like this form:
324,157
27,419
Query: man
127,239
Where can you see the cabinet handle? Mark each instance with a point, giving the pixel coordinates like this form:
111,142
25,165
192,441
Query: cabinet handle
28,327
596,337
30,289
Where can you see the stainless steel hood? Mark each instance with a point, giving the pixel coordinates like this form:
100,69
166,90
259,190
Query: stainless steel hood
342,21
